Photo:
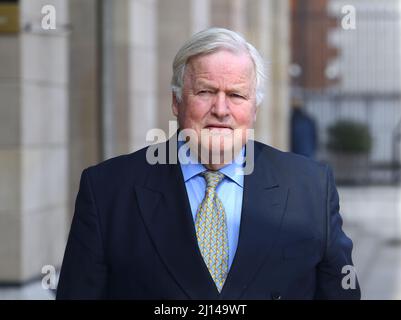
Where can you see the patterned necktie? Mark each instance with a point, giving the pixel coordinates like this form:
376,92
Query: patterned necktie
211,230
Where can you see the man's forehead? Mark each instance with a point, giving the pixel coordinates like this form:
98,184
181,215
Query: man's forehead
240,83
202,68
221,56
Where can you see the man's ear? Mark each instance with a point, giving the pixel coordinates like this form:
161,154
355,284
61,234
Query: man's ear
174,104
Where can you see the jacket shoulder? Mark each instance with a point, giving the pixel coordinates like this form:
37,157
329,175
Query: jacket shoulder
292,166
133,165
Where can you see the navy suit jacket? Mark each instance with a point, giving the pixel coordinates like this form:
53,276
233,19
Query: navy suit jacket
133,235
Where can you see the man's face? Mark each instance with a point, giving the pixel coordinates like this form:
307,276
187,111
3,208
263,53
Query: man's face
218,97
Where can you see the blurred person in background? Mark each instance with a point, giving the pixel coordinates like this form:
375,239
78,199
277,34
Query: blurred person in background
303,131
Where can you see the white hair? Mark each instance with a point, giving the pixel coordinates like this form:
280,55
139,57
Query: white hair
212,40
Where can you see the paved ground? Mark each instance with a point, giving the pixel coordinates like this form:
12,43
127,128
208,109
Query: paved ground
32,291
372,218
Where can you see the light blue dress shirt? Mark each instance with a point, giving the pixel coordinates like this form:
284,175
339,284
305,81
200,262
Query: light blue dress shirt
230,192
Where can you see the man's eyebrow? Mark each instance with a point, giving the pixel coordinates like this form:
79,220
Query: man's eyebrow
211,85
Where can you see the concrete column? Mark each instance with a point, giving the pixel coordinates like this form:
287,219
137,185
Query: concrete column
142,58
10,159
175,26
34,154
269,31
222,13
239,16
200,15
129,74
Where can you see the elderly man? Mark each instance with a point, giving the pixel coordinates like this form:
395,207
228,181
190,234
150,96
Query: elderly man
204,229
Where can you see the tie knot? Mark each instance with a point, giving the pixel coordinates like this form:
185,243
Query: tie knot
213,178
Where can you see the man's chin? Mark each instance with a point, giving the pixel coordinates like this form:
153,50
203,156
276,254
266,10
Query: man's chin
219,152
217,145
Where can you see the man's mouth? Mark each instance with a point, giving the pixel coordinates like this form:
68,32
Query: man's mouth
218,126
219,129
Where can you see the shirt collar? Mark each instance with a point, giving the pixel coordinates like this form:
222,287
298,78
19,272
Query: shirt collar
194,168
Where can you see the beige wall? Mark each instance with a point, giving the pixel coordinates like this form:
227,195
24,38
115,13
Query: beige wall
268,28
34,147
174,27
10,155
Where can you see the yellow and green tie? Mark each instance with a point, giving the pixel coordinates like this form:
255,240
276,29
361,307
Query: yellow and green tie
211,230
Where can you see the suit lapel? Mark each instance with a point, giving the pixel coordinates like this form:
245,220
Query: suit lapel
165,208
262,211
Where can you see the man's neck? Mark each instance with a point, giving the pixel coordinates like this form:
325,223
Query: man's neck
215,167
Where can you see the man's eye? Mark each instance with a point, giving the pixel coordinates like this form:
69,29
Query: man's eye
236,95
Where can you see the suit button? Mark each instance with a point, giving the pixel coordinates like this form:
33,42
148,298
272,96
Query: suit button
276,296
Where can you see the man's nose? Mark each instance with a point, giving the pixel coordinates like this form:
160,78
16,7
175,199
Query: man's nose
220,107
